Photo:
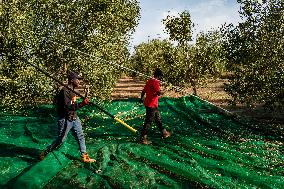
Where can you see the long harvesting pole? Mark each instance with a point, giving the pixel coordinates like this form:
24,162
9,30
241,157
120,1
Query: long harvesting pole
91,103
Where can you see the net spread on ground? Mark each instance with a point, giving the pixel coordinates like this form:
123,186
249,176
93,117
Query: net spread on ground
207,149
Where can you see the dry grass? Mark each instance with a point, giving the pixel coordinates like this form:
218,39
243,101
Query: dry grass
212,92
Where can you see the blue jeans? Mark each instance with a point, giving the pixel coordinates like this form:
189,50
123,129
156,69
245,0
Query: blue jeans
64,126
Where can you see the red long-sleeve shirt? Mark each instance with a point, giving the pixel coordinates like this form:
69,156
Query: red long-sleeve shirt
151,89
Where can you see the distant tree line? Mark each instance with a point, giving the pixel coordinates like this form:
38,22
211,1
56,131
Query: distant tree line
250,54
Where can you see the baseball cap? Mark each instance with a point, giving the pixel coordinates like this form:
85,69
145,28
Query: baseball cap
74,75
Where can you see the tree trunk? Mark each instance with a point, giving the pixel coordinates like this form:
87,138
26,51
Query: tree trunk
193,84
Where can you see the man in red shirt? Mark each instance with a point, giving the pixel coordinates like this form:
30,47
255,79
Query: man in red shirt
152,91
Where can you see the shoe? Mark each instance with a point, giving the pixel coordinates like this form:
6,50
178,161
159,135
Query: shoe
86,158
166,133
144,140
42,155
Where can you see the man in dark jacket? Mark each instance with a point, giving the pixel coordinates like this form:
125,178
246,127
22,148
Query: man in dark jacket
68,119
153,92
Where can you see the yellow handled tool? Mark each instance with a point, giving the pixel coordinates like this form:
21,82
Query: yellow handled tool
91,103
125,125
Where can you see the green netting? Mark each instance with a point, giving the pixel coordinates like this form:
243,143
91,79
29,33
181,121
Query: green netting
207,149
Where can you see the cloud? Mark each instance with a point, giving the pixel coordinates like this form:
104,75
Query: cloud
206,15
151,27
213,14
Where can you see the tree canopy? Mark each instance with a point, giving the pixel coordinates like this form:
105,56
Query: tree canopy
43,32
254,49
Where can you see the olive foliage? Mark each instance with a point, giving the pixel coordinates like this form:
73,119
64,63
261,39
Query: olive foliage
89,37
184,65
254,52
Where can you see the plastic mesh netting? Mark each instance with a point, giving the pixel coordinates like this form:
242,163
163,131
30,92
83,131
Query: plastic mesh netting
207,149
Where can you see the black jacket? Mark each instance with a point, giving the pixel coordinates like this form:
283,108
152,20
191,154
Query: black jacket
66,107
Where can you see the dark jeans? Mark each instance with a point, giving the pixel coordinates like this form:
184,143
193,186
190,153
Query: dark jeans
64,126
152,114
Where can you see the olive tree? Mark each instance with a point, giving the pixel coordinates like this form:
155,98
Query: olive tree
53,35
254,49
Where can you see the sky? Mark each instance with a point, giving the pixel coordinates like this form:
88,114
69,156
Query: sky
205,14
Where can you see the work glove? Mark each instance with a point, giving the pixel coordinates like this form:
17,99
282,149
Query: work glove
84,102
